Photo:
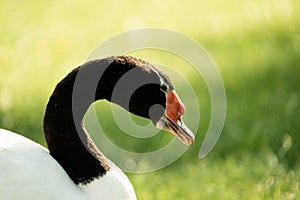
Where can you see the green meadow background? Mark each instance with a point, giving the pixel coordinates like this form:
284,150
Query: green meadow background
255,44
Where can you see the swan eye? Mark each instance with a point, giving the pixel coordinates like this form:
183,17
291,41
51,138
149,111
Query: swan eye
164,87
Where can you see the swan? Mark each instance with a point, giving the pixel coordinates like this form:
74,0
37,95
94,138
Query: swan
72,168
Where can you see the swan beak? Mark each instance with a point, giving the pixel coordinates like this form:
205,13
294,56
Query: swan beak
171,120
179,129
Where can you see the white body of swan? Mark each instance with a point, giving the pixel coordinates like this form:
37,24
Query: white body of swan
35,175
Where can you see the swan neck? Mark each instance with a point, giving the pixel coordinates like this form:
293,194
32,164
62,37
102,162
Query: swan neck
67,140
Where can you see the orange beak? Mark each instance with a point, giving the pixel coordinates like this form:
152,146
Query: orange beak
171,120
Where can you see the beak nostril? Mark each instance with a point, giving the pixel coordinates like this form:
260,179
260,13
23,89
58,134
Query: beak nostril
179,122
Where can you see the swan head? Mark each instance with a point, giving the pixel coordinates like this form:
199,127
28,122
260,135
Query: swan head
146,91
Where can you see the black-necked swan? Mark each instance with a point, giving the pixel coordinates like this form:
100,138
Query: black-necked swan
74,168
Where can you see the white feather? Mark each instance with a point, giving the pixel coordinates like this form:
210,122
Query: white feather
106,186
27,171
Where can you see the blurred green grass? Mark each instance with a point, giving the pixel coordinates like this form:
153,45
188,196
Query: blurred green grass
255,44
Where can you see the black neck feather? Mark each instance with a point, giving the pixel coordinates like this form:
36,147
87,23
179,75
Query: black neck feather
67,140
